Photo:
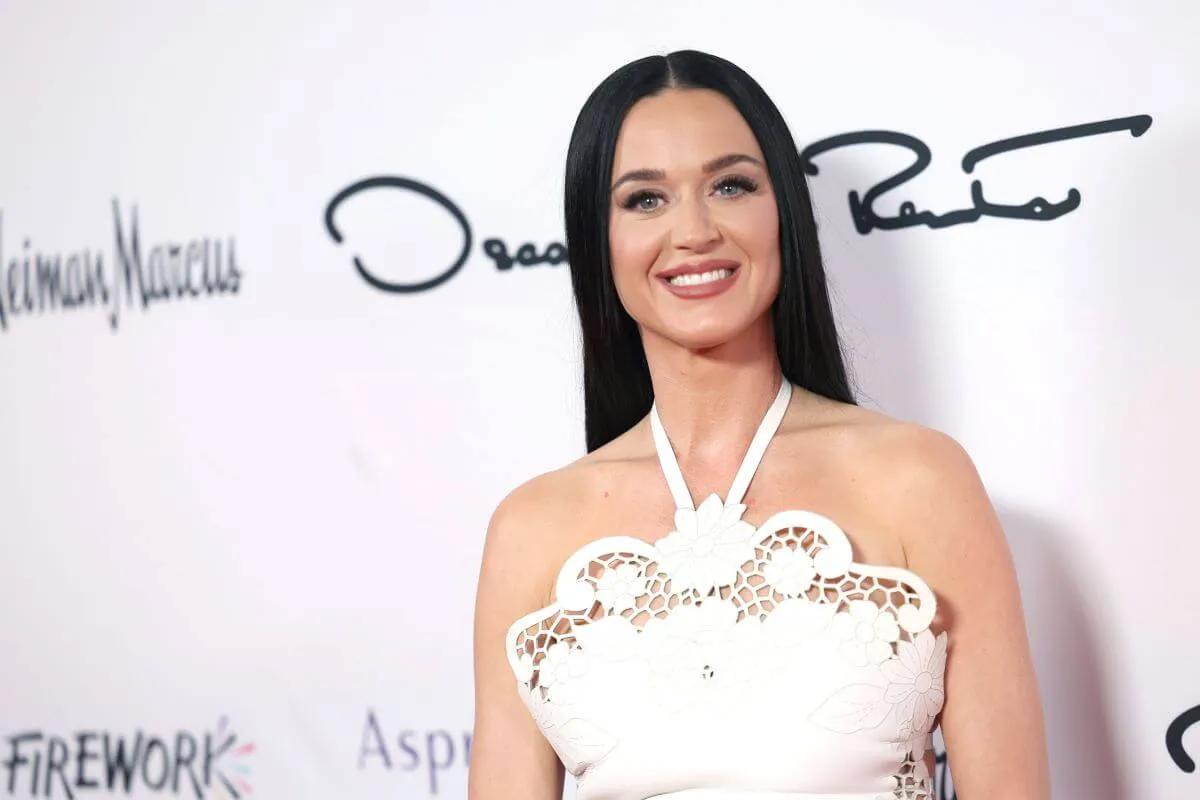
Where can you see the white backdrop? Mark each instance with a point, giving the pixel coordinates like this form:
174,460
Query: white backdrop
241,523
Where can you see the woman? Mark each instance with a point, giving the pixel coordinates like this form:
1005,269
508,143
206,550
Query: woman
750,587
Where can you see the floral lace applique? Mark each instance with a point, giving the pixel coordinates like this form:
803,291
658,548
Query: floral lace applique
618,589
707,547
717,607
866,633
909,684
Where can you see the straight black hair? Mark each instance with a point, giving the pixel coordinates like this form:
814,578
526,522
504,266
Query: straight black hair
616,379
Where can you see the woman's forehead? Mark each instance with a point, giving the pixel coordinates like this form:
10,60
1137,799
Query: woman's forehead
681,129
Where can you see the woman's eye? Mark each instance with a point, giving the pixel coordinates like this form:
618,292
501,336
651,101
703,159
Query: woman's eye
641,201
732,187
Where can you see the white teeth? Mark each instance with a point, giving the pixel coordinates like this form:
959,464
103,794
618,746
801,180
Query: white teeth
695,279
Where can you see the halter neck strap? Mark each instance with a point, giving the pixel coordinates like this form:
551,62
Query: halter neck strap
754,454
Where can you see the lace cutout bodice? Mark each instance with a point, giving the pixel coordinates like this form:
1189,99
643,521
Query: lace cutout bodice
747,661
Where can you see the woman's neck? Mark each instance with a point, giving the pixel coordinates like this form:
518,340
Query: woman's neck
712,401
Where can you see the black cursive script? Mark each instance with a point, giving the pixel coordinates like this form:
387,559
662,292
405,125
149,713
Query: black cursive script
390,182
527,255
862,209
1039,208
494,248
37,283
1175,731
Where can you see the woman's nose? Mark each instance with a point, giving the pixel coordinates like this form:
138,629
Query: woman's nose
694,227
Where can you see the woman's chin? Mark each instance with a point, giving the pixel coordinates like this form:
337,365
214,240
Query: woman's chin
701,338
707,329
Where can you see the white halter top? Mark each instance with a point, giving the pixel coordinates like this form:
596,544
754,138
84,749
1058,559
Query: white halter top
729,662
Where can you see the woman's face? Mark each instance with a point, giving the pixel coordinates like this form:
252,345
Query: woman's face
694,231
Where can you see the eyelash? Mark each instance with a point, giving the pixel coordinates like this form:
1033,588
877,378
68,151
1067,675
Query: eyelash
745,184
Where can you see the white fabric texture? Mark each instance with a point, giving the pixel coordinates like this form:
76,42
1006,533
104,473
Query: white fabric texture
732,662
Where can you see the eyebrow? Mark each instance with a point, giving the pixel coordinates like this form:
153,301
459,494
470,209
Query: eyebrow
715,165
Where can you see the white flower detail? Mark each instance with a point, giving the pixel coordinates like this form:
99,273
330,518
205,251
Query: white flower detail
866,633
618,589
832,562
707,547
916,684
906,688
556,671
789,571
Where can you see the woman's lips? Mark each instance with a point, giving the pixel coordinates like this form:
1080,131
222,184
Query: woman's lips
700,280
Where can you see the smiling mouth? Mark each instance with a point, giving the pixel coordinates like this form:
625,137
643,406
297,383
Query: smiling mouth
699,278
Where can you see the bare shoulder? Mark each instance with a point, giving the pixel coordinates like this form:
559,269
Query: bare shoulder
526,509
925,491
919,482
912,458
930,483
523,528
529,531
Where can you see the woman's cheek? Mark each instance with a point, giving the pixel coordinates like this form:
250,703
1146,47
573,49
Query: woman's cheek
621,255
634,251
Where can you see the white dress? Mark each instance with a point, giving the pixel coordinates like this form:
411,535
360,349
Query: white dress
728,662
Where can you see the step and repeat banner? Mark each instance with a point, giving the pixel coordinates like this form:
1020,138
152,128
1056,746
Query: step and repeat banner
284,314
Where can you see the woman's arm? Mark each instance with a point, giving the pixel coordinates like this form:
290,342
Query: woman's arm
510,759
992,719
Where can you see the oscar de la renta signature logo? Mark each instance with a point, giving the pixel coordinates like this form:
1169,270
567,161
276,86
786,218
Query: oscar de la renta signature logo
1038,208
495,248
861,203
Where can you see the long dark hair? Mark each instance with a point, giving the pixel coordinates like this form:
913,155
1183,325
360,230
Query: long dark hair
616,380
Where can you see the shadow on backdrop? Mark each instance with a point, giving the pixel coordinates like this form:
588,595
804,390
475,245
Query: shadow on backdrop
1066,651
